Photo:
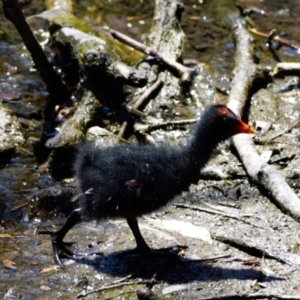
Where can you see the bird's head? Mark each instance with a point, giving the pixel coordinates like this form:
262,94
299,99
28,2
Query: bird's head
224,122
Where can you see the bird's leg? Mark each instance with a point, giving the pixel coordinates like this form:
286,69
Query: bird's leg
145,251
142,246
58,236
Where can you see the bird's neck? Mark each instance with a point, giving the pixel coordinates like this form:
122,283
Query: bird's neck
201,147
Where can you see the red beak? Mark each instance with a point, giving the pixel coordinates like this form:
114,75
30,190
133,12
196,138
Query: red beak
243,127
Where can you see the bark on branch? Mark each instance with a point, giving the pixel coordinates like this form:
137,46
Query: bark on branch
13,12
246,75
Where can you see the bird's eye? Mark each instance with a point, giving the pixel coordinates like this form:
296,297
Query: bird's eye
230,117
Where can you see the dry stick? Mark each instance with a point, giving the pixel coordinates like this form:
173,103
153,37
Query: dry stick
244,261
123,128
212,258
112,286
171,123
276,38
13,12
141,103
250,296
249,10
212,211
286,131
144,99
184,72
151,127
287,69
250,246
264,176
288,66
269,43
19,207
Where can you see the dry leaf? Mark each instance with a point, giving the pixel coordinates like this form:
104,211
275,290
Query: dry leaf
50,269
9,264
56,267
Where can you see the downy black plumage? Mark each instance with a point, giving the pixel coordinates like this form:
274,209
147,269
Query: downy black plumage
130,180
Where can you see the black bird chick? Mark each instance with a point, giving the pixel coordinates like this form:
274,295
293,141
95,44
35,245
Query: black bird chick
130,180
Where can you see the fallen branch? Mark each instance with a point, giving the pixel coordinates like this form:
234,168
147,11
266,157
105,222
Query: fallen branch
255,248
246,74
184,72
275,38
250,296
13,12
286,69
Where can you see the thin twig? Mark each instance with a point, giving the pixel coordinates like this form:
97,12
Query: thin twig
254,248
212,211
184,72
213,258
270,43
276,38
141,104
151,127
112,286
286,131
130,276
250,10
147,95
286,69
123,129
250,296
19,207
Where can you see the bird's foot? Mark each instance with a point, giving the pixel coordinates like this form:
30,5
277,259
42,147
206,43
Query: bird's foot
147,252
169,255
169,250
58,245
